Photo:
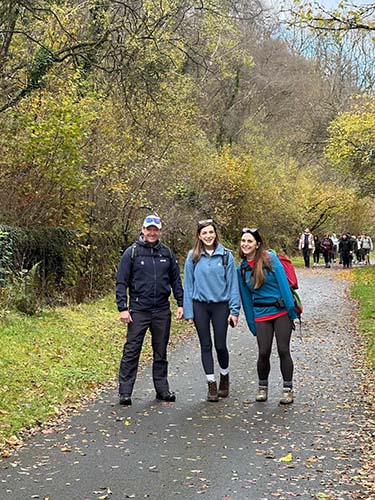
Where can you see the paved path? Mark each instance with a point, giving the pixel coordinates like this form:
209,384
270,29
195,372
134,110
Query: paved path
229,450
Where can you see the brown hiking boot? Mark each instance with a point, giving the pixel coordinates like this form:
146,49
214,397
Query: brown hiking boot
262,393
212,395
287,397
224,386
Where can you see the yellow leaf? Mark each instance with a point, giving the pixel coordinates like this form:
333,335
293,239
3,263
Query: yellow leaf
287,458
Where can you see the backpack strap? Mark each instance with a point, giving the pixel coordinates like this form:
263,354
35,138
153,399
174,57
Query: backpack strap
245,267
225,258
133,255
166,247
133,252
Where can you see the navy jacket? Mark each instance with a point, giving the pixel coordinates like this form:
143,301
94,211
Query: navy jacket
147,278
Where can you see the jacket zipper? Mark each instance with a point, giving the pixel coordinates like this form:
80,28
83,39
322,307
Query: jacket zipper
154,265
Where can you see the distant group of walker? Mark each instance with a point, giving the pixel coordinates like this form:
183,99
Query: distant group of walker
346,249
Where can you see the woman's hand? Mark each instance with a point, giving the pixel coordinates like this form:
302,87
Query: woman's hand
232,320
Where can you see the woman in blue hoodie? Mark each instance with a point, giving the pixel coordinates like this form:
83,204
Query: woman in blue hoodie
211,296
269,309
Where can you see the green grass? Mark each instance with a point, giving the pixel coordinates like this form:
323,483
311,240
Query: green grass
52,360
363,290
298,261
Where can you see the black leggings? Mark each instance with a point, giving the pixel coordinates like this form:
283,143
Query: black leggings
204,314
316,256
265,330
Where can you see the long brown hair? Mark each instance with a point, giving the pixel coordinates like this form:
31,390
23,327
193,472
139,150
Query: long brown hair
261,258
198,246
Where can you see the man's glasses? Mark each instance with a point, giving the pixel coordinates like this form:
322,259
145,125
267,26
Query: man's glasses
249,230
150,220
205,222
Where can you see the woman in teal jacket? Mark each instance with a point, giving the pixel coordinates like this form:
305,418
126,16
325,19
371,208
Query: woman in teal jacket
211,296
269,309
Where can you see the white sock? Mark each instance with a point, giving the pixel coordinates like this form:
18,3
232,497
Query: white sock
210,378
224,371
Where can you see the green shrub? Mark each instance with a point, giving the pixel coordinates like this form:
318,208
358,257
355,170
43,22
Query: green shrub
24,291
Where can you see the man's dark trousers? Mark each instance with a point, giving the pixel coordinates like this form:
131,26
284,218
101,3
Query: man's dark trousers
306,256
159,323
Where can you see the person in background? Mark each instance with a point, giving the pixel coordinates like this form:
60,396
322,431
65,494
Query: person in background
306,244
361,253
316,254
357,251
211,296
345,249
269,309
147,273
367,247
355,247
326,246
335,248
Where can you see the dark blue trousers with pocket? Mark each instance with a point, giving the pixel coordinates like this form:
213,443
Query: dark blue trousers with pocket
159,324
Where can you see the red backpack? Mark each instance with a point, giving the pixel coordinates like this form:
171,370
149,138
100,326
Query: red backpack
289,270
292,280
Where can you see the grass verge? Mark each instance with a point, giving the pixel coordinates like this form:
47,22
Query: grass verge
54,359
363,290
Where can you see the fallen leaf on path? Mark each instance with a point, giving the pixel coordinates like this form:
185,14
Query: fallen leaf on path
286,458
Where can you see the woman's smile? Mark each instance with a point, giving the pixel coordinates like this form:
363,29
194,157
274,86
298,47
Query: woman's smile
208,235
248,244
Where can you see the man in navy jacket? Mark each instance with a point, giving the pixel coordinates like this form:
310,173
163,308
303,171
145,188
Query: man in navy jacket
147,273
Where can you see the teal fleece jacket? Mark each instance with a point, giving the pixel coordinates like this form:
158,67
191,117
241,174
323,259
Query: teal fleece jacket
207,281
275,287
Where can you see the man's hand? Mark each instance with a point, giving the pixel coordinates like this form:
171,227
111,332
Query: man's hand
180,313
125,317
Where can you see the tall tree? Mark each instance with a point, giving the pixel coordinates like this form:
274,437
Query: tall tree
351,146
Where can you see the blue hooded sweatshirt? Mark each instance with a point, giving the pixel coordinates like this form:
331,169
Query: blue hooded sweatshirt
209,281
274,288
